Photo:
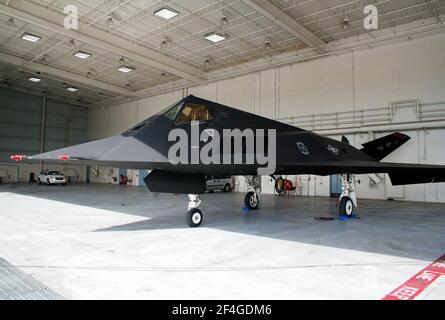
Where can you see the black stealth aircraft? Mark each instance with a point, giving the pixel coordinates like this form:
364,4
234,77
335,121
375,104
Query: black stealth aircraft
183,170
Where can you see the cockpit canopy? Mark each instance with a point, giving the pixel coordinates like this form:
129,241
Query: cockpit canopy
182,113
194,112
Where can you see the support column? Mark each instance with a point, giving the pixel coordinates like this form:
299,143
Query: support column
42,130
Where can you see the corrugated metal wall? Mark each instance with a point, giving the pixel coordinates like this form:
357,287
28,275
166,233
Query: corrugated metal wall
65,125
21,121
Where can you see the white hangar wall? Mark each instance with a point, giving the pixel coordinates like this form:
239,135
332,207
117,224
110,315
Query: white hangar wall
366,79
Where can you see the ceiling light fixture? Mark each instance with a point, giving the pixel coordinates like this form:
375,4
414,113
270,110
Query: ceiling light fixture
72,89
82,55
166,13
126,69
207,62
346,22
215,37
34,79
224,22
164,44
30,37
110,21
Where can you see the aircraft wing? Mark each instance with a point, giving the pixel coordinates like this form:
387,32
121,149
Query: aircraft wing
116,151
400,173
132,154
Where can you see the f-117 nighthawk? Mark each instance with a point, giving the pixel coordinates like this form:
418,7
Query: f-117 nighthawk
195,138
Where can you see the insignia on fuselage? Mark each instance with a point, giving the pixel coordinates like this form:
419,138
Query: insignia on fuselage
302,148
333,149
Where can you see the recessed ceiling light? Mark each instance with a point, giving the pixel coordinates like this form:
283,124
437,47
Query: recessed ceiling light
34,79
215,37
126,69
82,55
30,37
72,89
166,13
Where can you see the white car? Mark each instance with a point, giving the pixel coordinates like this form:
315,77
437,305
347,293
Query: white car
219,183
51,178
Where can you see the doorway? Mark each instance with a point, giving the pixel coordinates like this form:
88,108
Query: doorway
336,185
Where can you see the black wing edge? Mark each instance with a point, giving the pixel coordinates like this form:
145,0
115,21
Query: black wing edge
380,148
399,173
416,177
404,173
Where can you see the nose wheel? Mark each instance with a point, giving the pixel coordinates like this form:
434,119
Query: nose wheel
194,217
252,198
194,214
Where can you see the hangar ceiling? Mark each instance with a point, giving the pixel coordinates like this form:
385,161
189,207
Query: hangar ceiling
162,54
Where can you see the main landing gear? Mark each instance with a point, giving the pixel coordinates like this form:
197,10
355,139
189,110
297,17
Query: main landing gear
346,205
252,199
348,198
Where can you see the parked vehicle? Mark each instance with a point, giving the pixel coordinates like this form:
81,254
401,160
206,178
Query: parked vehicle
50,177
219,183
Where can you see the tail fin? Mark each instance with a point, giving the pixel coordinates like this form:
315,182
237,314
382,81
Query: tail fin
381,148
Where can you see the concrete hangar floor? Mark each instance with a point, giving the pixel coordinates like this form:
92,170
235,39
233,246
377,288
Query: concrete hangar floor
111,242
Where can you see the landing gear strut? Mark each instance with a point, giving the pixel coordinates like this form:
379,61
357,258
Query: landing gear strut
348,198
252,199
194,215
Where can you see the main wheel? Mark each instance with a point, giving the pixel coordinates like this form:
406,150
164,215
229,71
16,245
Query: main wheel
227,188
346,207
194,217
251,201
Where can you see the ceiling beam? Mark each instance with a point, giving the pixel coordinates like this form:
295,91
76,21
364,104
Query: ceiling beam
281,18
63,75
53,22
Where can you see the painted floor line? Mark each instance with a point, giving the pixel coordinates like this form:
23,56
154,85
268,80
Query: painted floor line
419,282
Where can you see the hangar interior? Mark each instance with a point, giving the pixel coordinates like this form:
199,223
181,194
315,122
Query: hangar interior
309,63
